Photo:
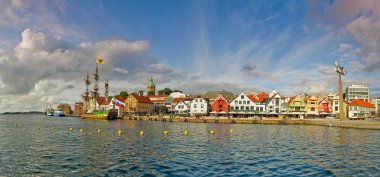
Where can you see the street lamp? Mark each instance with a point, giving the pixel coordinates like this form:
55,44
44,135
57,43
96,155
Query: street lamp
341,72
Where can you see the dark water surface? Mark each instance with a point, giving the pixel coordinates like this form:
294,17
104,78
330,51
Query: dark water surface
252,150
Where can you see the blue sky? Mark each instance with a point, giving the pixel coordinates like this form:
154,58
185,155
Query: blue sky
46,47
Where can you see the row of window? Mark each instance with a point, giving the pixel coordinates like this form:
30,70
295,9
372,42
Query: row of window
247,108
195,106
242,102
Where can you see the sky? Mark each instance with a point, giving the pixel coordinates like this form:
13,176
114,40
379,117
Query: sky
48,46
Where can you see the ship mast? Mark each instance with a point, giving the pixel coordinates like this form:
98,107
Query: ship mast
106,92
96,88
86,94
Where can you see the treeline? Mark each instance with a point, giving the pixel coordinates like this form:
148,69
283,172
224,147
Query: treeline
165,91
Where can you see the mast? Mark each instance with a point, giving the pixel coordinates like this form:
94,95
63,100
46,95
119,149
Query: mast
86,94
106,92
96,88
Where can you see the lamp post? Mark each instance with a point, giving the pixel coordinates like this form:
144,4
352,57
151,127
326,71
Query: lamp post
341,72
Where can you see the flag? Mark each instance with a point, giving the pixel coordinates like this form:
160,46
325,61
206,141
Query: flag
99,61
119,103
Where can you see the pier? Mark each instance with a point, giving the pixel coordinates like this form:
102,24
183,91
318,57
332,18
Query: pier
367,124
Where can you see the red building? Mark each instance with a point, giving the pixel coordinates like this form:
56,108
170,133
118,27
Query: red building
220,106
325,107
262,96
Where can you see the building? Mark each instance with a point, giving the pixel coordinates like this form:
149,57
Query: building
360,109
151,88
297,107
158,101
261,96
273,104
325,107
177,95
66,108
357,92
312,106
246,106
220,106
182,107
78,108
376,102
138,105
198,107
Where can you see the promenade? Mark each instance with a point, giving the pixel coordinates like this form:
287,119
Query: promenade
360,124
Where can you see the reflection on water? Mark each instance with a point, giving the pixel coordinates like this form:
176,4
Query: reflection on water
252,150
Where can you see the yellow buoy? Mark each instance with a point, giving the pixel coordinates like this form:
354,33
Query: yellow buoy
38,127
99,131
52,129
71,129
232,130
212,132
81,130
141,132
166,132
185,132
120,132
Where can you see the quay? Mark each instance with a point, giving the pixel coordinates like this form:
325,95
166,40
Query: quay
360,124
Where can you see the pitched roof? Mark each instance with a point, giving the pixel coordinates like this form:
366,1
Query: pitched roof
291,99
158,96
253,99
142,99
361,103
220,97
100,100
120,99
176,100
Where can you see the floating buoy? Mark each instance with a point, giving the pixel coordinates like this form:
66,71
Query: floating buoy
99,131
52,128
71,129
141,132
186,133
212,132
330,125
120,132
166,132
38,127
81,130
232,130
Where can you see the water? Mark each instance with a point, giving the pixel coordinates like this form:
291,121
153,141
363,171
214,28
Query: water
252,150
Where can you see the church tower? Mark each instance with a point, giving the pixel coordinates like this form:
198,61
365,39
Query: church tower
151,88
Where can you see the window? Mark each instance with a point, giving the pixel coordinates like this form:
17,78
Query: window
236,101
239,102
195,106
248,102
252,108
261,108
312,109
336,108
244,102
201,105
237,107
242,96
241,107
232,108
247,107
220,106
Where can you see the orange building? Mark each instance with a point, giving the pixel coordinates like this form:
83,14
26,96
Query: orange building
136,104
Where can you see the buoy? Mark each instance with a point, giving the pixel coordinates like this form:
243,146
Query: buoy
185,132
81,130
232,130
99,131
52,129
141,132
38,127
212,132
166,132
330,125
71,129
120,132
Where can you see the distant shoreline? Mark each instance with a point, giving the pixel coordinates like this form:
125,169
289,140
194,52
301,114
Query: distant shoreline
359,124
30,112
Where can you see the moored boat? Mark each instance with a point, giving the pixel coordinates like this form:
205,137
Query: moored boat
101,115
50,112
59,113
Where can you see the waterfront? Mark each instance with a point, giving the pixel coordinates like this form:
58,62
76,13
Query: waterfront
251,150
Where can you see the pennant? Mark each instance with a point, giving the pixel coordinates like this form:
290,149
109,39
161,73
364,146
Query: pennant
99,61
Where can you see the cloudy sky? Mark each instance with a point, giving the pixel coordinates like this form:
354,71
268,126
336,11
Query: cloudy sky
47,47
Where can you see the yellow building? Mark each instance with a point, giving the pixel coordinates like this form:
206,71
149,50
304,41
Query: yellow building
312,104
136,104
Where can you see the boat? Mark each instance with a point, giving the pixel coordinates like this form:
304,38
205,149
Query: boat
101,115
49,111
59,113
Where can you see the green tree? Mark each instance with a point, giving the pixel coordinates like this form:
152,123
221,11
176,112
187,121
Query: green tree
141,92
110,98
150,93
166,91
163,109
123,94
177,91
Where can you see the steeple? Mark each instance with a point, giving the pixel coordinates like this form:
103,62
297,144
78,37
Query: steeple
151,88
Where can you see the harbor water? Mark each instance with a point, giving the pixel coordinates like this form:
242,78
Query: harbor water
37,145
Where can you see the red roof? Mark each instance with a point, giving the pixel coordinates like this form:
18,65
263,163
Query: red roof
291,99
158,101
178,100
361,103
120,99
252,98
158,96
101,100
142,99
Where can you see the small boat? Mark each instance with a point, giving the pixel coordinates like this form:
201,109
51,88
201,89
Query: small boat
59,113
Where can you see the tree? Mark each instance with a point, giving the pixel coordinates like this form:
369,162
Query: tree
177,91
163,109
110,98
141,92
150,93
123,94
166,91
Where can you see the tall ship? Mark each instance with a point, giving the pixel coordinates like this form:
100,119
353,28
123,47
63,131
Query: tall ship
94,105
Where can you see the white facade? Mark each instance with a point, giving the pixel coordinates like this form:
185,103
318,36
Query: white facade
198,106
274,106
243,103
357,92
335,102
182,107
